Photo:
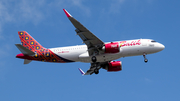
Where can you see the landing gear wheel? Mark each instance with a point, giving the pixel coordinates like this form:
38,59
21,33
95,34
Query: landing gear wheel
93,59
146,60
96,71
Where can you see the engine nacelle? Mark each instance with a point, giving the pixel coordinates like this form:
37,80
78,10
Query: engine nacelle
113,66
112,47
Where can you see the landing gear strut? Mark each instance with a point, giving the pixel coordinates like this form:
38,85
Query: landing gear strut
95,64
145,59
95,67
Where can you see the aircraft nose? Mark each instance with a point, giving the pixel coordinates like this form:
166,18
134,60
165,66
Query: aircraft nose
161,46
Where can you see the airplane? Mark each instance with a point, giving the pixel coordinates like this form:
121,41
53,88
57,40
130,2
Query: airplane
96,52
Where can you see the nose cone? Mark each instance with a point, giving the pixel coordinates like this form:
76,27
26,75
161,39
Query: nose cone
160,47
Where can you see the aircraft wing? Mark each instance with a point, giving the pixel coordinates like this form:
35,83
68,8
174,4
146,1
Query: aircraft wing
92,68
89,72
88,38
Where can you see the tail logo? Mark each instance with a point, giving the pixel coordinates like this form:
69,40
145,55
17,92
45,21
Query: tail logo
32,42
41,53
28,41
37,47
27,38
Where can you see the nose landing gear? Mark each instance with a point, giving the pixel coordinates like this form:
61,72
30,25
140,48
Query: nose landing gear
145,59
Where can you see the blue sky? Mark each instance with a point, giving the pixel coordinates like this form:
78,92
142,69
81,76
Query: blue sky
110,20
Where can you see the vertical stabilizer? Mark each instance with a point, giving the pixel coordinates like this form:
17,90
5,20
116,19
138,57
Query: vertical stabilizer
29,42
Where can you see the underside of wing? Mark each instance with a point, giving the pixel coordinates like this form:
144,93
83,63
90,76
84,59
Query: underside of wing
94,68
88,72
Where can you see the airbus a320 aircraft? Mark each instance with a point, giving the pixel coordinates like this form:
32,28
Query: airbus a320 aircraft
96,52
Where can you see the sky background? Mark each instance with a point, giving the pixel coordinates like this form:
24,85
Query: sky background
110,20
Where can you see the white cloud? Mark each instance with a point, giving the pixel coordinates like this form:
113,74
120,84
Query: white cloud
71,4
32,11
79,3
29,10
4,16
116,6
20,11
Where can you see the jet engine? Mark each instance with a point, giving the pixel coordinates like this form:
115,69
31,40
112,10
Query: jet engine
112,47
113,66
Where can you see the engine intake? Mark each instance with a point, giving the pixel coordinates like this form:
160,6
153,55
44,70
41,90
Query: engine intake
112,47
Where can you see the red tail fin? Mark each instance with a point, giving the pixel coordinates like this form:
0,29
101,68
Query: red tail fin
29,42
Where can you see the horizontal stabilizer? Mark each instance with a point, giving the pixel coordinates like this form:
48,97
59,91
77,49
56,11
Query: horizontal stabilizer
24,50
26,61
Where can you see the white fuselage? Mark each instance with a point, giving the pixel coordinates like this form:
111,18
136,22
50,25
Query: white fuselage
128,48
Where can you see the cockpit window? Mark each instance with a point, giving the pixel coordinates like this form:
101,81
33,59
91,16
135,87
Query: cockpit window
153,41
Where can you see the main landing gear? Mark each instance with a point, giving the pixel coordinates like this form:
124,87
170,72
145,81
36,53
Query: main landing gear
95,65
145,59
96,71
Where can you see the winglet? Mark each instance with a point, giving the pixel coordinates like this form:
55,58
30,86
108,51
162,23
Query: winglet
82,72
67,14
